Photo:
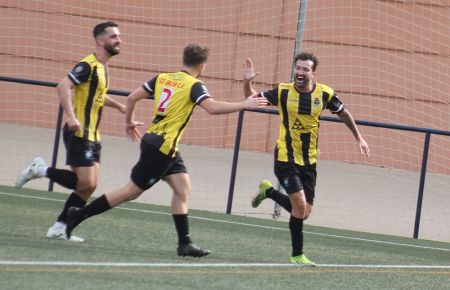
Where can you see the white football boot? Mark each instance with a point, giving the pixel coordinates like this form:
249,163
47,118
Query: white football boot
58,232
31,172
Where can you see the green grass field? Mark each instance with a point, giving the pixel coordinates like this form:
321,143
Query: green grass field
134,247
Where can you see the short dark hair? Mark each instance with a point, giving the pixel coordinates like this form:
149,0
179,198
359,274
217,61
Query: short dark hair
195,54
101,27
308,56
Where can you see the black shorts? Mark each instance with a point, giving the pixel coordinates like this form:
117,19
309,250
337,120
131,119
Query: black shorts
293,177
153,165
80,152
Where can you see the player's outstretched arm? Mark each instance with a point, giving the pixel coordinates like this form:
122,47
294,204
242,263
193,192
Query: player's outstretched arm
215,107
348,120
110,102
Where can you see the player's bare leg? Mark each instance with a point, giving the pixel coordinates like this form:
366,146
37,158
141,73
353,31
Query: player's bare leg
87,178
181,186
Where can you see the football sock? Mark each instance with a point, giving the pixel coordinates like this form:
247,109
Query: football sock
63,177
269,192
97,206
42,171
296,228
73,200
182,227
280,198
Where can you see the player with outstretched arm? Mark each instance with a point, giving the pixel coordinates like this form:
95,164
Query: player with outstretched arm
175,97
299,104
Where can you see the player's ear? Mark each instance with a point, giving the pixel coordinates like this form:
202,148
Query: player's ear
203,67
100,40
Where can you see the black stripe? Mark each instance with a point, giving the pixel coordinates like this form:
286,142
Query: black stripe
288,139
304,104
306,142
99,116
90,100
325,97
174,144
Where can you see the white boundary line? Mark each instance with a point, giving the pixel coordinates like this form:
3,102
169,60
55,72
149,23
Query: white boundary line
251,225
209,265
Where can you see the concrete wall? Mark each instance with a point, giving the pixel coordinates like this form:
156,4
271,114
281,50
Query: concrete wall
388,60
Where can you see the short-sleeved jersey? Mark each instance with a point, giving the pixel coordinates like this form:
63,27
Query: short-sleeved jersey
175,97
90,78
299,114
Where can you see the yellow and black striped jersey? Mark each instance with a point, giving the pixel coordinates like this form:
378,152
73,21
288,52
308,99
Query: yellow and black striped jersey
90,78
175,96
299,114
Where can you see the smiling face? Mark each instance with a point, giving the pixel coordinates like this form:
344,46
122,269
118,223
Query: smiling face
110,40
304,75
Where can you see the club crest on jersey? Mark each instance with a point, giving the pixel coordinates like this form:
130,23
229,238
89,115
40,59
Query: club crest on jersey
100,99
317,102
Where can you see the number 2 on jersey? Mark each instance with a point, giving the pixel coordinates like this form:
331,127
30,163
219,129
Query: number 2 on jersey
164,100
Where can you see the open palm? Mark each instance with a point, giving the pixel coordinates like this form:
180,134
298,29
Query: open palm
248,73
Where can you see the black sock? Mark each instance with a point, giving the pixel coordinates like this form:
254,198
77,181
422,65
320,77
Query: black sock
63,177
280,198
73,200
182,227
296,228
97,206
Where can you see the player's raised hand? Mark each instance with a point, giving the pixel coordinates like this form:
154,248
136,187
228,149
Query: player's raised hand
132,132
248,73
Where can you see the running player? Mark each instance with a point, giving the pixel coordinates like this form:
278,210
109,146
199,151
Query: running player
175,97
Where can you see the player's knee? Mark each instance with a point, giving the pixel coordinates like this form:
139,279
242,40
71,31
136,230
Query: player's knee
186,189
308,210
182,195
86,188
300,210
299,206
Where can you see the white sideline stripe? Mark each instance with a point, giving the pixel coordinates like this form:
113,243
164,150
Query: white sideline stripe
209,265
33,197
251,225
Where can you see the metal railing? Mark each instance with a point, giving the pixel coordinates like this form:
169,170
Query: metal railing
428,132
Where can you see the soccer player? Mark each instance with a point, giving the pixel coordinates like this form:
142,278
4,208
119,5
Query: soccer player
82,94
300,104
175,97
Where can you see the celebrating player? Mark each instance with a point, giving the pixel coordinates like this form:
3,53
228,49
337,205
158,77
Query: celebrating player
300,104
